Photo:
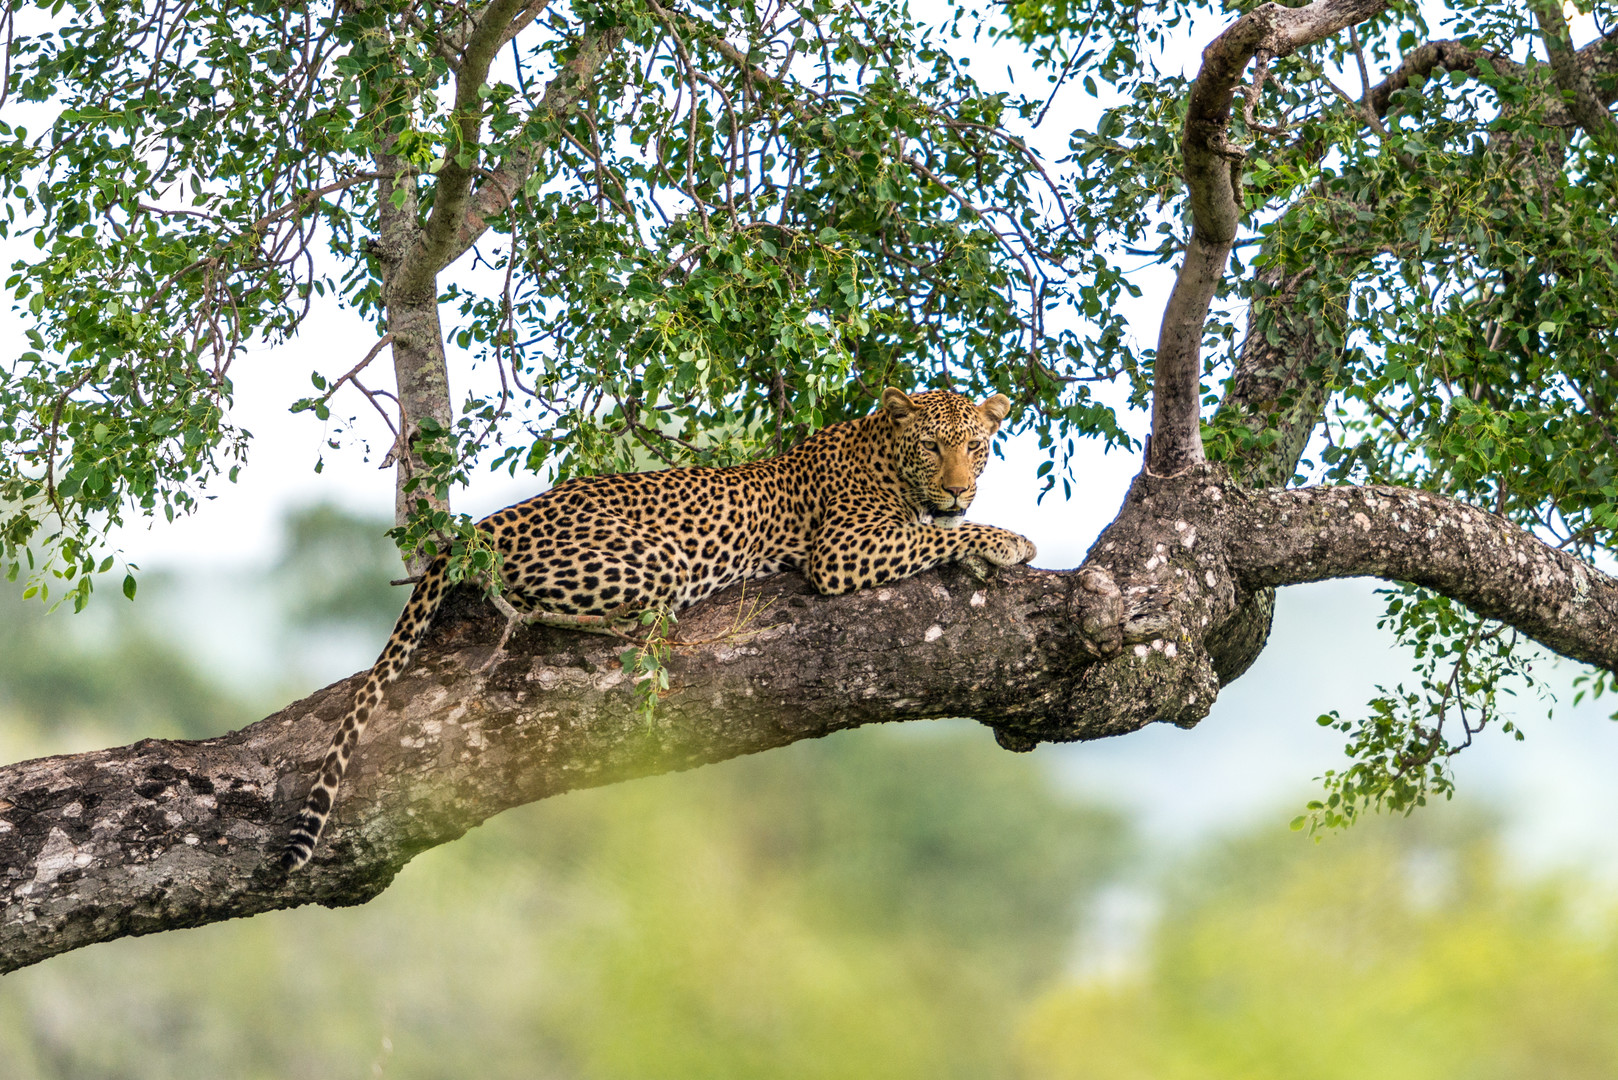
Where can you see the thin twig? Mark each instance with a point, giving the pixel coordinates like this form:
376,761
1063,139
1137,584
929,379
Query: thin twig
383,342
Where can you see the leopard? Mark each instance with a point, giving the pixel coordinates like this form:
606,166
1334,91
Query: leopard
859,503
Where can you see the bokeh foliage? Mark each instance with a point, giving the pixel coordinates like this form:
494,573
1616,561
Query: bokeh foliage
1402,949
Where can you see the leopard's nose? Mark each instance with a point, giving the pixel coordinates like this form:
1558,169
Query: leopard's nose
956,491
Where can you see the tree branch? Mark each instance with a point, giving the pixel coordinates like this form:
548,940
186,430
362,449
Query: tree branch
163,834
1432,56
1279,387
532,10
1469,555
1212,169
1595,65
461,161
1571,79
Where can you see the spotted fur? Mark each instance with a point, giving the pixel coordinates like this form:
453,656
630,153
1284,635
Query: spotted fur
858,504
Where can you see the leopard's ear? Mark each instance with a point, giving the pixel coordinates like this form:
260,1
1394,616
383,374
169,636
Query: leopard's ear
897,404
996,408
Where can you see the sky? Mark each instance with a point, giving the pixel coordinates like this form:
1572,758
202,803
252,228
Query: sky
1251,761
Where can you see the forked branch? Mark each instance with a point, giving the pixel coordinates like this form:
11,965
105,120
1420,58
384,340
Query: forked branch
494,195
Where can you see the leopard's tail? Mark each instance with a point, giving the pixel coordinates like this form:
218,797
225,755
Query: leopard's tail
407,632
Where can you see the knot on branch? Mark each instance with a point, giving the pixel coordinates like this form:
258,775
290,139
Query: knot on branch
1098,604
1139,617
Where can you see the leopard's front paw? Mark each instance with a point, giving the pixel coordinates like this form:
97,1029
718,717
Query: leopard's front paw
1004,547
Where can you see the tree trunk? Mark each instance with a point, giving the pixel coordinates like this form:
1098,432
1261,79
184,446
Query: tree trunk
423,381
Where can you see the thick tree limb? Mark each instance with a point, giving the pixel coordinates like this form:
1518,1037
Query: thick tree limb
160,835
1280,387
1467,554
165,834
420,369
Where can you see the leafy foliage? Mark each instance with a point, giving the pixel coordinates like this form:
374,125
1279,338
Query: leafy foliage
1401,752
752,221
1446,237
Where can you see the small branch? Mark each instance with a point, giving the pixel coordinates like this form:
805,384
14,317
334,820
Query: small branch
383,342
297,205
8,30
163,289
1250,97
1592,405
371,396
1359,58
1579,99
442,44
52,441
1082,39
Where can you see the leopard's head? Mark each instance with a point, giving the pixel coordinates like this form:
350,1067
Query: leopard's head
941,443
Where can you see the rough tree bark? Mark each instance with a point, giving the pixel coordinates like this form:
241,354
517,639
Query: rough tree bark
1171,603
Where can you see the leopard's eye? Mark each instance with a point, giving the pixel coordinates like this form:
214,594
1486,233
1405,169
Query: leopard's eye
930,446
975,444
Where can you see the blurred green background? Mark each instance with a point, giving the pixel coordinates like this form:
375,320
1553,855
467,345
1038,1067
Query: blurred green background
905,902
